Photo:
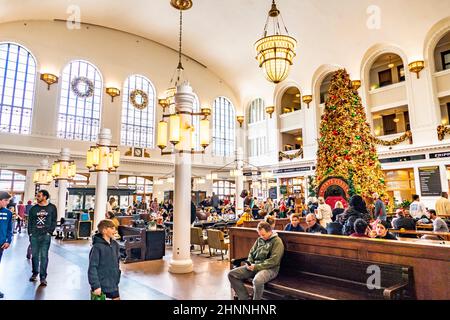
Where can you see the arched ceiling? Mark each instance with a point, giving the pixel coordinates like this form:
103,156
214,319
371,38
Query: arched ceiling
220,34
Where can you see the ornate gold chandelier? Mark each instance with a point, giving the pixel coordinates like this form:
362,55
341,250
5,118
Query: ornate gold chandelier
276,52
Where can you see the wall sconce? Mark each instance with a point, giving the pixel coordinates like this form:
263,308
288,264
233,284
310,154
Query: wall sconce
49,79
113,92
240,119
307,99
270,110
356,84
416,67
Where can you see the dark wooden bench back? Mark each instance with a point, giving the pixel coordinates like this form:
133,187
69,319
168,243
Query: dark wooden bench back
131,231
350,270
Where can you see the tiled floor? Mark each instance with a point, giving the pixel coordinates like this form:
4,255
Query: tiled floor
150,280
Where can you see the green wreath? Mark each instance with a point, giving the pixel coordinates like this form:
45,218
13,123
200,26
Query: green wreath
144,97
89,92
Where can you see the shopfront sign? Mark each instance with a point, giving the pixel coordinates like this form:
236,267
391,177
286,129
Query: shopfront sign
334,186
430,181
439,155
289,170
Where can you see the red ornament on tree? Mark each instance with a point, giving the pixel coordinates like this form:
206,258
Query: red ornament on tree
335,133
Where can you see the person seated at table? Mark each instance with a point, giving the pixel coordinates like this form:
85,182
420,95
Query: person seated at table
361,229
170,216
263,264
270,220
439,225
313,226
246,216
382,231
295,224
402,222
129,211
111,216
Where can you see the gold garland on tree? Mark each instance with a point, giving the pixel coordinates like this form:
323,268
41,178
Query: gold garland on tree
296,155
394,142
442,131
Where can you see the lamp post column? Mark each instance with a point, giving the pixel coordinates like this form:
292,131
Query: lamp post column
101,188
62,187
239,181
181,257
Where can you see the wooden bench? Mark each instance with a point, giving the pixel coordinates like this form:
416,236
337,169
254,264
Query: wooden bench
443,235
420,258
316,277
280,224
132,238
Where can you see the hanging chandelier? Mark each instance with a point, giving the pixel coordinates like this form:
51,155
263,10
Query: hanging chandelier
174,130
168,98
276,52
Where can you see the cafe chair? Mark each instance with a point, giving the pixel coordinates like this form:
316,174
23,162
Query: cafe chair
197,238
217,241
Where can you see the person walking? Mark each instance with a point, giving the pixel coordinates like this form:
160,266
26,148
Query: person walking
6,226
20,216
41,225
380,208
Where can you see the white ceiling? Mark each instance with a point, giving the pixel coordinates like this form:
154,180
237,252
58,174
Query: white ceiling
220,34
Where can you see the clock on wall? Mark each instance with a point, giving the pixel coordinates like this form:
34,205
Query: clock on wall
137,152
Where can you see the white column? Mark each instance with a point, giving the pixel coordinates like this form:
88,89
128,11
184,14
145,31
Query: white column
101,188
62,187
239,181
181,257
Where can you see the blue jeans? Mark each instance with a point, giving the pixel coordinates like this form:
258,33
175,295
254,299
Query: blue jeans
39,246
236,277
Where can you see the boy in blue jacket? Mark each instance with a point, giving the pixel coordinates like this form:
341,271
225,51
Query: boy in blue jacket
6,229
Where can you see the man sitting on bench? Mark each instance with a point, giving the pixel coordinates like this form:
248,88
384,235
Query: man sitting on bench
263,263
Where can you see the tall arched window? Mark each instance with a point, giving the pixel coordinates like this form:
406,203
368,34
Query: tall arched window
13,181
223,189
17,82
80,102
224,127
196,124
256,112
138,125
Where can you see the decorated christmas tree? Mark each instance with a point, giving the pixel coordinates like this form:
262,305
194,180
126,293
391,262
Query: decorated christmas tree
346,145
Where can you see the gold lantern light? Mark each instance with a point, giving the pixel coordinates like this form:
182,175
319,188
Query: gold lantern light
270,110
307,99
240,119
416,67
49,79
113,92
43,176
275,53
103,158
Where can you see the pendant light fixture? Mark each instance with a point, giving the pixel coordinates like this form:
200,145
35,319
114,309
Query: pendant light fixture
275,52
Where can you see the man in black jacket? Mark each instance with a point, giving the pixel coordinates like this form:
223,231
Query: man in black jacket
104,272
41,224
313,226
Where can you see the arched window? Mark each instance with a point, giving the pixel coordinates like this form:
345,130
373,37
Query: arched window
256,111
138,125
17,82
223,132
196,124
80,180
80,102
13,182
223,188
